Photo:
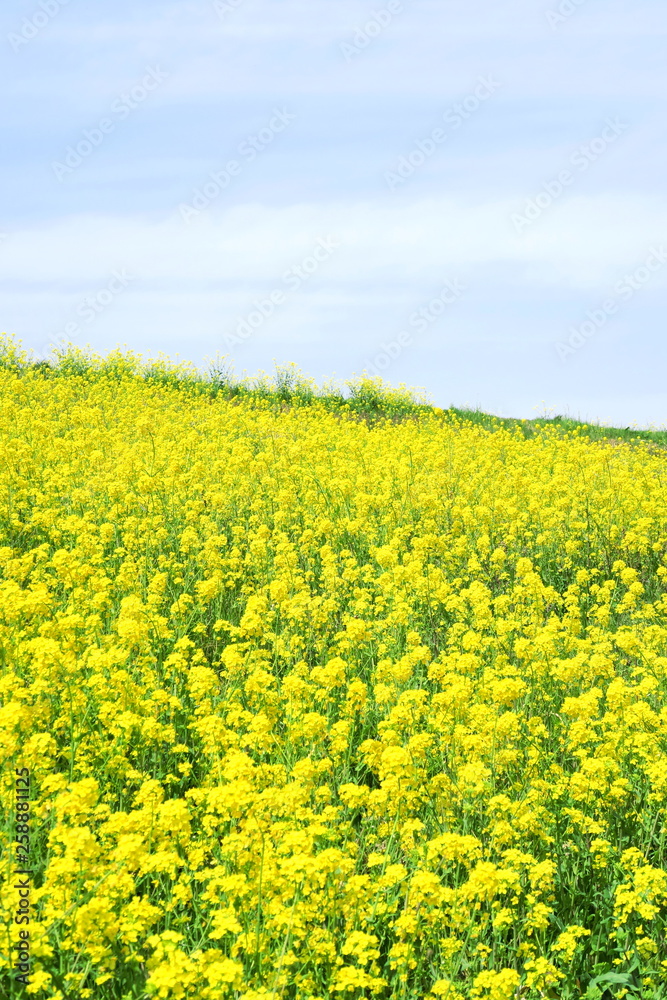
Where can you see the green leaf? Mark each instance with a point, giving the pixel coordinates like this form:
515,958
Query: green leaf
622,978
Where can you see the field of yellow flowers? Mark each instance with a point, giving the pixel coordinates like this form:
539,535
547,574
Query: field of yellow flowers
315,706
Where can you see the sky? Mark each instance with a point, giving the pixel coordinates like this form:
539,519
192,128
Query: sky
465,196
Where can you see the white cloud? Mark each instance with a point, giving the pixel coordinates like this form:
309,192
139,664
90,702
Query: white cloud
581,242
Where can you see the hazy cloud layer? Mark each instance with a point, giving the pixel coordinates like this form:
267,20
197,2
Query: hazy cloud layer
202,150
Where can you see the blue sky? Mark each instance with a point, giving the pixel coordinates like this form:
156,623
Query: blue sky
460,195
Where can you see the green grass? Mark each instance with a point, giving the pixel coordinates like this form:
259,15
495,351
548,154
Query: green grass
531,428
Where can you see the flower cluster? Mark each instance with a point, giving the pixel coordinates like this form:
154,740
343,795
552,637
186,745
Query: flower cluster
316,707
